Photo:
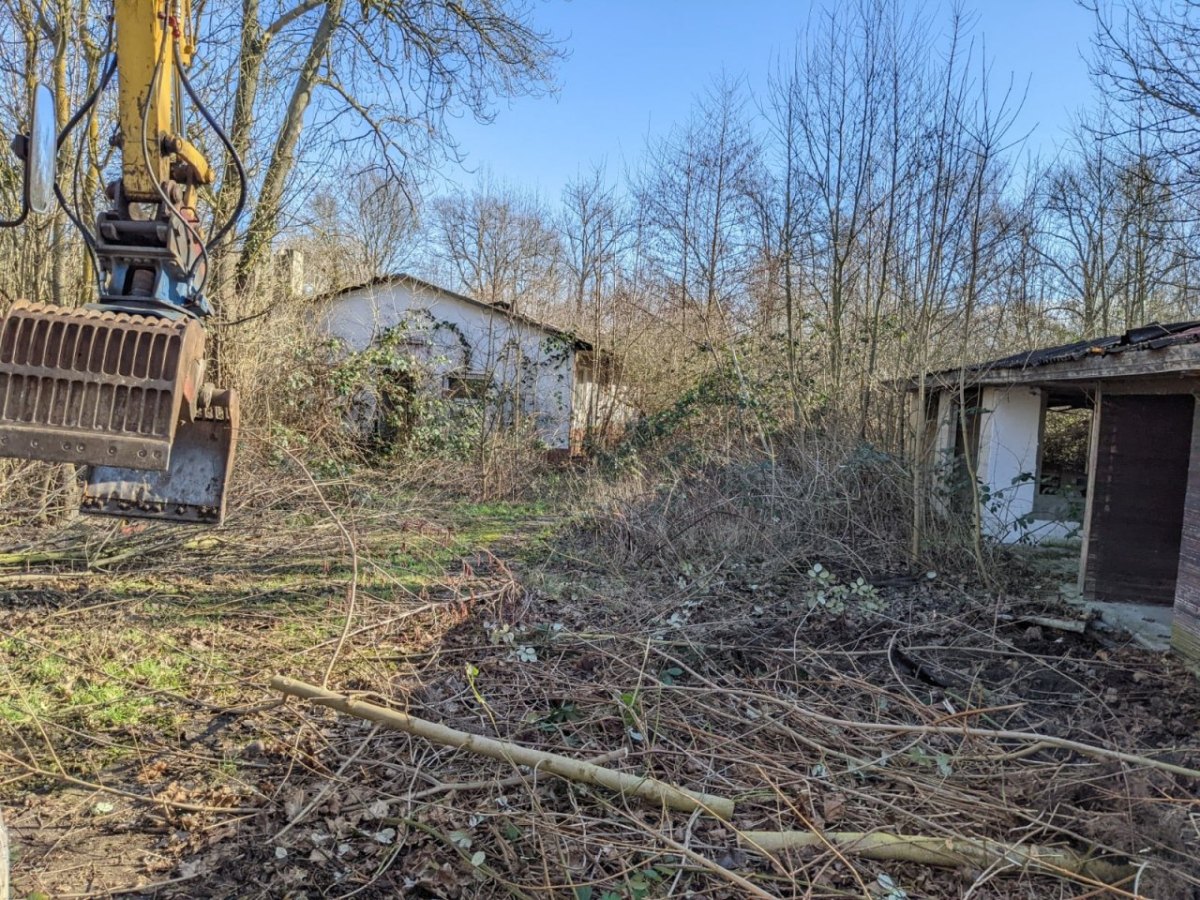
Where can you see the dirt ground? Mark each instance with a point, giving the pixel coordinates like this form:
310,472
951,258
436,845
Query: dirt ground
145,755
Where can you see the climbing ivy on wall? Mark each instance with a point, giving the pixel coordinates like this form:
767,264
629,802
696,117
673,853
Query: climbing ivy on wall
392,398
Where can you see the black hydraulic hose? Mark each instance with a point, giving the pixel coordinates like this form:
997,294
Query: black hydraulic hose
162,194
19,220
77,177
240,207
89,239
87,104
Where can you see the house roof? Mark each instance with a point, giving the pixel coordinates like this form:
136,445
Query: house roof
1115,356
495,308
1148,337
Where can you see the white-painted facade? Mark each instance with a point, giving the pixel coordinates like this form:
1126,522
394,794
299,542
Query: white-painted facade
529,368
1006,461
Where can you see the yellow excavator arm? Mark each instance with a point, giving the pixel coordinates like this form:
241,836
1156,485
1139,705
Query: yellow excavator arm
119,385
150,41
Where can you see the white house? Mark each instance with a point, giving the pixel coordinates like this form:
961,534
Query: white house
528,371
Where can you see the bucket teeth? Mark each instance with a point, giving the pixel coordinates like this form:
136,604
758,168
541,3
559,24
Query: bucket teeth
94,386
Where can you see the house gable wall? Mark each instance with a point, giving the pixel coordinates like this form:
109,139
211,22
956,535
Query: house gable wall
450,334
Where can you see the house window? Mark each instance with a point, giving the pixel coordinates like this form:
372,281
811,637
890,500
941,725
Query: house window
469,386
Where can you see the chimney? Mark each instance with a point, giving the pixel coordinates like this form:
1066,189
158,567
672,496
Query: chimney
289,269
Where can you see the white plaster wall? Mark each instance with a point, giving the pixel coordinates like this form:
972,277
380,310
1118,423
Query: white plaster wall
1008,456
543,369
1008,444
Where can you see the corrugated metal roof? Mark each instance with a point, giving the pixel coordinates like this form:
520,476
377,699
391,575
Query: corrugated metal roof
1149,337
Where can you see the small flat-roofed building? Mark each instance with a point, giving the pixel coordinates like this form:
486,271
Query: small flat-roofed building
1099,439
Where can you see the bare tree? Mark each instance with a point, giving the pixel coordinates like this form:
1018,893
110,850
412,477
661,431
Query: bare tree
1085,235
1112,225
363,228
381,76
696,194
63,43
500,246
1148,54
785,216
593,227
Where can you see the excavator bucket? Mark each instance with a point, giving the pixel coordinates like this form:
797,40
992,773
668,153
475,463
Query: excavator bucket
88,386
121,393
192,489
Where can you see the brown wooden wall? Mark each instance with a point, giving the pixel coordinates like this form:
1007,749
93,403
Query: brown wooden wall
1185,636
1137,509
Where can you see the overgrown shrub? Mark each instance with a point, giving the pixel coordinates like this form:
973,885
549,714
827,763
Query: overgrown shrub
813,500
675,498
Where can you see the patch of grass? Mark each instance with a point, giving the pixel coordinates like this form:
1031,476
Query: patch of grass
153,673
92,682
299,633
107,704
421,569
196,631
49,668
488,524
19,710
120,587
502,509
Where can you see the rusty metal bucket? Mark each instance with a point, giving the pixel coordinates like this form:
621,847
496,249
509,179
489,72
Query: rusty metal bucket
122,393
192,490
98,387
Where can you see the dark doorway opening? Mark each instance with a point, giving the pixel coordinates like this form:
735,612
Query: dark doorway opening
1143,452
396,414
1063,444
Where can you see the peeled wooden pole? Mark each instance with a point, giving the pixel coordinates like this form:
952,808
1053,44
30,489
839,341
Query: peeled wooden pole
944,852
3,860
562,766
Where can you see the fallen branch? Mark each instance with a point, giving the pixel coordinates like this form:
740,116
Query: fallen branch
512,781
1076,626
1001,735
564,767
961,731
943,852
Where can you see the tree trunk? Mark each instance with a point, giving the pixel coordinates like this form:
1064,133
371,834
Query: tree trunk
253,52
265,221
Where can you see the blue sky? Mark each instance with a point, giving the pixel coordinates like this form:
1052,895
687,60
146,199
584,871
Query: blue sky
635,67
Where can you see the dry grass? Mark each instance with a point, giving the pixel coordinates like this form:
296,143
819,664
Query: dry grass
816,499
139,659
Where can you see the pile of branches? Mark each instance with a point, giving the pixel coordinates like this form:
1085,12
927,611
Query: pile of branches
1005,776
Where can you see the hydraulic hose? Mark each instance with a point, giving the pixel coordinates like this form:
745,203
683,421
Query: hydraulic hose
240,207
89,239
